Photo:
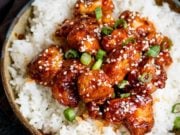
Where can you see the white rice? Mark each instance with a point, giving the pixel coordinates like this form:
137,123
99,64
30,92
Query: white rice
36,102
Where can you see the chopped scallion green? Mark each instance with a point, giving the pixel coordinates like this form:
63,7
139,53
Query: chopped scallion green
145,77
85,59
98,12
69,114
107,30
123,84
71,54
129,40
100,54
120,22
166,43
125,95
113,95
176,108
123,133
177,122
153,51
97,65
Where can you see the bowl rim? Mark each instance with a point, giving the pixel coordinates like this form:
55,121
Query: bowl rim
5,81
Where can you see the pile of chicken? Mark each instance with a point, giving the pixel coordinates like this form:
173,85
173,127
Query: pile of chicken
128,59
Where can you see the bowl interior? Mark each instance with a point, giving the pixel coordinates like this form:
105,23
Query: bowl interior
17,27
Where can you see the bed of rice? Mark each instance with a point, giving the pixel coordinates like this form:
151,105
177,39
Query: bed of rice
36,102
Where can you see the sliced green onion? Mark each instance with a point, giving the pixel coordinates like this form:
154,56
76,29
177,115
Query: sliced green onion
85,59
123,133
177,123
98,12
71,54
176,108
100,54
153,51
69,114
166,43
129,40
107,30
120,22
125,95
145,77
97,65
113,95
123,84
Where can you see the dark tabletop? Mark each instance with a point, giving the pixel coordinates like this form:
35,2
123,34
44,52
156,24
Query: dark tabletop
9,124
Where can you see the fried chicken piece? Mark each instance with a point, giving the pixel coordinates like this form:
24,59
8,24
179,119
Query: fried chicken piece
107,9
164,59
88,23
120,61
142,26
65,89
88,7
81,33
114,40
141,121
135,112
154,75
46,65
147,78
64,29
81,40
117,109
94,110
94,85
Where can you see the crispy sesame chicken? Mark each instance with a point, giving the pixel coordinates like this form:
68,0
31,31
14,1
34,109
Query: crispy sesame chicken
94,85
64,88
140,25
146,78
141,121
83,41
135,111
110,66
46,65
88,7
120,61
84,7
88,23
94,110
82,34
114,40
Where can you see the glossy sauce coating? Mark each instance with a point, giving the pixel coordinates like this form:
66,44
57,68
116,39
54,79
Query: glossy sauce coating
135,54
94,85
64,88
46,65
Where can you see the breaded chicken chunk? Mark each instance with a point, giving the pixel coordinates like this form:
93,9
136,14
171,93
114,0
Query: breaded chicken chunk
88,7
94,85
141,121
146,78
120,61
135,112
46,65
64,88
88,23
81,40
114,40
141,25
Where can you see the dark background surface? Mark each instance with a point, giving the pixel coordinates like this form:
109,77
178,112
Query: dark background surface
9,124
